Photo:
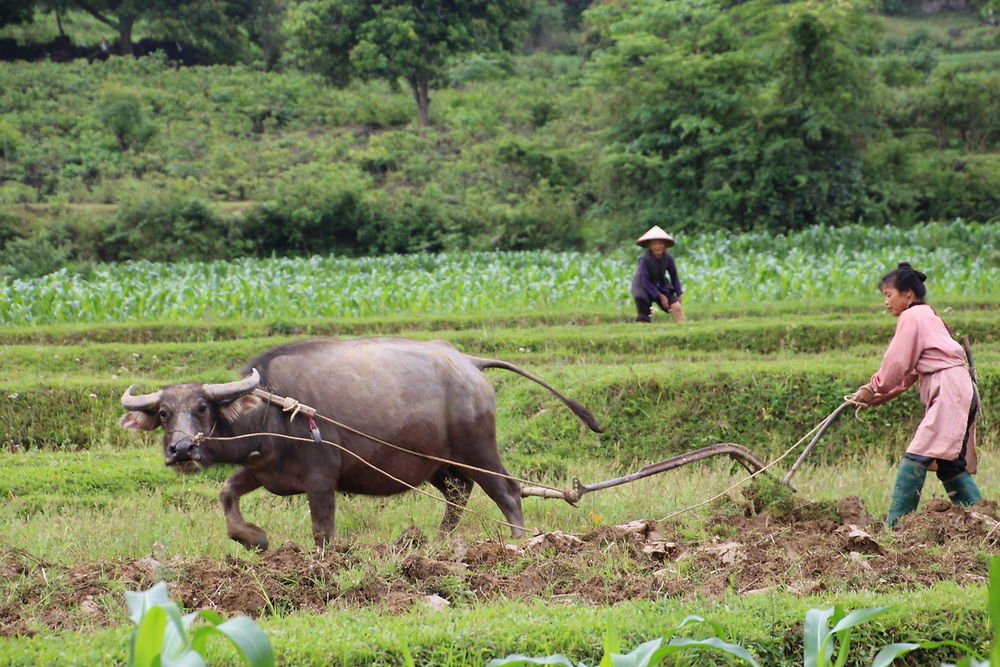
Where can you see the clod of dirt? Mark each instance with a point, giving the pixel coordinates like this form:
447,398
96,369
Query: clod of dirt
859,541
418,568
852,511
727,553
435,602
559,541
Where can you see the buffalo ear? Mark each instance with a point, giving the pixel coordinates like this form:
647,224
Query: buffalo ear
143,421
231,411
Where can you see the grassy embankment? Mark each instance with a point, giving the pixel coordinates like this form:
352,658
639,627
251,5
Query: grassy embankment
93,492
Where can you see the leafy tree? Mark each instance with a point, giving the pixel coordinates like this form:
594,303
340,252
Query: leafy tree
225,30
216,25
121,16
747,116
120,110
399,39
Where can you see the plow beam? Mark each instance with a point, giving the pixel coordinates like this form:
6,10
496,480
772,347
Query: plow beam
741,454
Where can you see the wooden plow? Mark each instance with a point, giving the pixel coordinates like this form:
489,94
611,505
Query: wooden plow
739,453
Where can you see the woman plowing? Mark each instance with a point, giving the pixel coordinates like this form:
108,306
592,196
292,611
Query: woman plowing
924,351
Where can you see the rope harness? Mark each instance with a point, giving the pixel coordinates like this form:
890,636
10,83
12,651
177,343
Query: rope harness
295,407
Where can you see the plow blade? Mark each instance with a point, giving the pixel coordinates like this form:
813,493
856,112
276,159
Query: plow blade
741,454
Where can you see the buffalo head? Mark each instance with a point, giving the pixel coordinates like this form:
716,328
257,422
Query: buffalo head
185,410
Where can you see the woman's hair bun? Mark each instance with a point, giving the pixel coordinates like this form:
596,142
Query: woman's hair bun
920,274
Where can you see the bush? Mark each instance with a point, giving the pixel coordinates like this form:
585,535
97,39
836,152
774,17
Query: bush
167,226
951,184
13,192
316,210
961,108
544,218
423,223
31,257
10,140
120,111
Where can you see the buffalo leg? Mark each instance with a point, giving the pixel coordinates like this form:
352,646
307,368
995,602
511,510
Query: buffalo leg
322,505
238,484
456,488
506,493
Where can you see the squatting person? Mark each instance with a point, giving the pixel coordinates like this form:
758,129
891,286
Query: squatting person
656,278
924,351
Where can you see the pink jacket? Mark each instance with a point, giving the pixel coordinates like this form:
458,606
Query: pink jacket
922,350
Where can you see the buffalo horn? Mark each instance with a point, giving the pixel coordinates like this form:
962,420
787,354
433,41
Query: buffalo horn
147,402
228,390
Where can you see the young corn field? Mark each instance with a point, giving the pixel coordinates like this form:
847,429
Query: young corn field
716,268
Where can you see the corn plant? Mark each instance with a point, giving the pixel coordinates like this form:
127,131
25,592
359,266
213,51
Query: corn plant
164,637
715,268
653,652
820,639
972,659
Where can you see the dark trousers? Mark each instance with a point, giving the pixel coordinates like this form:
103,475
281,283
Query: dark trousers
644,308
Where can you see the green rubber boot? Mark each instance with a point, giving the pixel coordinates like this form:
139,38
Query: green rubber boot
962,490
906,492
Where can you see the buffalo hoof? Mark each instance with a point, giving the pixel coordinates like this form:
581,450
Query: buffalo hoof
251,537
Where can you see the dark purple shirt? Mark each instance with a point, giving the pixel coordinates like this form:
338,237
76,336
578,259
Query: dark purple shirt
651,278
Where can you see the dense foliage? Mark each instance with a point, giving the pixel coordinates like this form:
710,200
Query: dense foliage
697,116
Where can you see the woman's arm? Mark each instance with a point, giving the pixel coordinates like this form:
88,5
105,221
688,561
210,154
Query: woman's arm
898,370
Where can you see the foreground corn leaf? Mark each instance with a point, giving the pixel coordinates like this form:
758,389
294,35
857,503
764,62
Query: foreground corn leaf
817,651
892,651
162,637
655,651
244,634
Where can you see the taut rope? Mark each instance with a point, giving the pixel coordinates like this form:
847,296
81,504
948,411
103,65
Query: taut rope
288,404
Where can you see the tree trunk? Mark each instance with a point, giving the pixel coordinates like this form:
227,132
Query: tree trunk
418,84
125,46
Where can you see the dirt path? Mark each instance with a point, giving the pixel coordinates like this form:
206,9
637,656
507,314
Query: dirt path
809,549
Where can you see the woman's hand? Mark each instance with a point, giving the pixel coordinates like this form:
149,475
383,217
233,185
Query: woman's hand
863,395
664,301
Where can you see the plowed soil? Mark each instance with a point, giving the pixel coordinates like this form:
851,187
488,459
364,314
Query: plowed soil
807,549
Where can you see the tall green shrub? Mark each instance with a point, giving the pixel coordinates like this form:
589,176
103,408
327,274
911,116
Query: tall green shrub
120,110
317,209
168,226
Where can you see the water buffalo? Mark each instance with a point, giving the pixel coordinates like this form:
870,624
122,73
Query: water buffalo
424,396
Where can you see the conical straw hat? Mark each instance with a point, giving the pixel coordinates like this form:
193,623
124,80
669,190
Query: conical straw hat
655,233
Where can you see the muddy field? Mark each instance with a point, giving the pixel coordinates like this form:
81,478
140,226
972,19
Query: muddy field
806,549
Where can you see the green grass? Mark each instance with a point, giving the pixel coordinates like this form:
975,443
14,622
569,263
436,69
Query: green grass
768,624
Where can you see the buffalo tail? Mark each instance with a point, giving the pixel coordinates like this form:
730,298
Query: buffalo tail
585,415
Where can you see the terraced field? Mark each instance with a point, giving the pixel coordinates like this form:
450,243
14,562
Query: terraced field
90,511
